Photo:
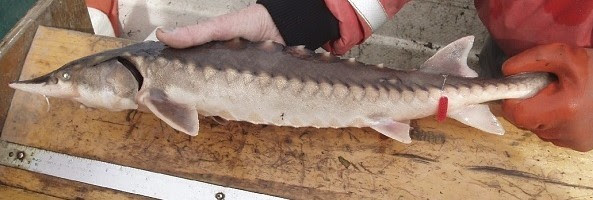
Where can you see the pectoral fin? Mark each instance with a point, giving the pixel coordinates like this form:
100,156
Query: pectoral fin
480,117
399,131
179,116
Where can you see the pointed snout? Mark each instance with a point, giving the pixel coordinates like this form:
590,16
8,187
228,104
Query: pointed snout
45,85
31,85
28,87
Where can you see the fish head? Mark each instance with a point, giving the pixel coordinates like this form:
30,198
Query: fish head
104,84
55,84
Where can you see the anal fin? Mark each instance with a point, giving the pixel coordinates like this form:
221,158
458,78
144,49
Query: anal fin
179,116
399,131
478,116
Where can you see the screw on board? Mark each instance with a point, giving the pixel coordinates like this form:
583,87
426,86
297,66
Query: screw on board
10,154
20,155
219,196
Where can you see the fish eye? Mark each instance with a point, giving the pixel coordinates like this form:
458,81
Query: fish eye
66,76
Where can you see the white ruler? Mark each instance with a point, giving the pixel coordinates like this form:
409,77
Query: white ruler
117,177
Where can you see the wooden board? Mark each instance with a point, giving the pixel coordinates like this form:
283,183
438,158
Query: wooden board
67,14
445,161
9,193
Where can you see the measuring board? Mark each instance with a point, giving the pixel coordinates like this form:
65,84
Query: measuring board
117,177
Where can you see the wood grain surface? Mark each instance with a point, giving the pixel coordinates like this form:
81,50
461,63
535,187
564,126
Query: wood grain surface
445,160
66,14
10,193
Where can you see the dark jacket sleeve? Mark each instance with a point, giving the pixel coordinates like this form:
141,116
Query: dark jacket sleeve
303,22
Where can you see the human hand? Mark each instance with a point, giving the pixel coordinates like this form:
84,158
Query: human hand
561,113
253,23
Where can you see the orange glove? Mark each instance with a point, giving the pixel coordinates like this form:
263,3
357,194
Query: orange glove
109,7
561,113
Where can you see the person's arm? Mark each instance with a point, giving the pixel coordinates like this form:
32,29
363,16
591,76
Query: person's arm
289,22
303,22
334,24
251,23
358,19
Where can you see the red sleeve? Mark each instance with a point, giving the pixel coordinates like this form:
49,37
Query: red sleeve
520,25
357,20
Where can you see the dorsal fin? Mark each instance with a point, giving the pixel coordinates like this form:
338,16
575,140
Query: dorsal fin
451,59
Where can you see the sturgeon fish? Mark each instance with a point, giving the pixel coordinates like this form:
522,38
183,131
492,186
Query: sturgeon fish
268,83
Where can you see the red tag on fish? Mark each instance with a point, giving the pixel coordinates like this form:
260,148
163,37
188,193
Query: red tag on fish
442,109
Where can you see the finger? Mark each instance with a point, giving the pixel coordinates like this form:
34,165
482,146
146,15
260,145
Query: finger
581,141
540,58
584,145
252,23
551,134
187,36
559,59
224,27
534,113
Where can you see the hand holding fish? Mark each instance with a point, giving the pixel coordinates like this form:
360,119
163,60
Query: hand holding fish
252,23
562,112
559,114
